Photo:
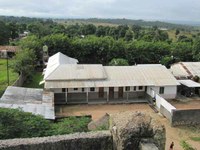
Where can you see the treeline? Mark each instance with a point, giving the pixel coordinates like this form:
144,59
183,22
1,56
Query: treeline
92,49
99,44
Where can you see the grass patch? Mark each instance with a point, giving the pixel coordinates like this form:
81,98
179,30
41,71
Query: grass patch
37,77
186,146
195,139
3,75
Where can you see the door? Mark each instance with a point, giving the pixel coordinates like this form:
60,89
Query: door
101,92
111,92
120,92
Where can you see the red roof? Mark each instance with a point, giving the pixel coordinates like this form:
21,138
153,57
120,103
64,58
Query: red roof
9,48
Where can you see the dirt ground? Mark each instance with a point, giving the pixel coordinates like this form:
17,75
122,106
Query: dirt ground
175,134
186,104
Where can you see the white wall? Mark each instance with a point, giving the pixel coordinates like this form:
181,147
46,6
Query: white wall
161,101
169,91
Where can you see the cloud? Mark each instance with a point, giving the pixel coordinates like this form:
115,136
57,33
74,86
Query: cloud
133,9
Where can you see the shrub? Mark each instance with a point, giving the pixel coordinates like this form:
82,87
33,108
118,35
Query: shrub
15,123
71,125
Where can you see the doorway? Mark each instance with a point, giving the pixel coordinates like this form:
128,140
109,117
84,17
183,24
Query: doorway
111,92
101,92
120,92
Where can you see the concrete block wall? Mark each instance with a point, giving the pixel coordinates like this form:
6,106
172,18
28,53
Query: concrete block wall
185,117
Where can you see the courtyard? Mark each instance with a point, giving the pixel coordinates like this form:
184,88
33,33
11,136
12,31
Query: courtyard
175,134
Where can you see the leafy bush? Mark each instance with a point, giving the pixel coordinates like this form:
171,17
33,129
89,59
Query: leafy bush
71,125
15,123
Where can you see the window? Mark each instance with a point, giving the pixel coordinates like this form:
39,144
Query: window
162,90
63,90
83,89
140,87
127,88
75,89
134,88
92,89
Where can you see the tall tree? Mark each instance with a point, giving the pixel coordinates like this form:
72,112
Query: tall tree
4,34
24,62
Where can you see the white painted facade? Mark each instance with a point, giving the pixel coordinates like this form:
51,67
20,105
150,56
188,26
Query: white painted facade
169,91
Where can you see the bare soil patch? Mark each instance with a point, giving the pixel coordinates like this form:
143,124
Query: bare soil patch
187,104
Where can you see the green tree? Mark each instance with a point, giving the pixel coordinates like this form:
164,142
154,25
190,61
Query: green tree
4,34
136,29
177,32
24,62
13,29
33,43
118,62
167,61
128,35
58,43
182,51
101,31
88,29
196,49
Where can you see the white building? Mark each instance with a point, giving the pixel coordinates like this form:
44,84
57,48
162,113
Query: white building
84,83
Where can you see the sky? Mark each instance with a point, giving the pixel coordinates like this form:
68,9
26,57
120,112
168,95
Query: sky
163,10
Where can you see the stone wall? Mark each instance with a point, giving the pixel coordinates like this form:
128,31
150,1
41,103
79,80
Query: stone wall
101,140
185,117
20,81
128,131
130,128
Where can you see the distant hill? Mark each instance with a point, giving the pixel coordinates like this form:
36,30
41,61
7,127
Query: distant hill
99,21
133,22
20,19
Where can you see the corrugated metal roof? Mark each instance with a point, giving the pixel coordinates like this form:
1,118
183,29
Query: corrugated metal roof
77,72
29,100
142,75
189,83
185,69
57,60
178,71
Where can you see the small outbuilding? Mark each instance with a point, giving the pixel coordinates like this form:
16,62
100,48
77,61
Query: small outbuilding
8,51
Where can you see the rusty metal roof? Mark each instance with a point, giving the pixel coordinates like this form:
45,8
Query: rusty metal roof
9,48
185,69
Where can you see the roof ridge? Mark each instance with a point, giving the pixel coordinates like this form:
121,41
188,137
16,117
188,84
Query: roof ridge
52,71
